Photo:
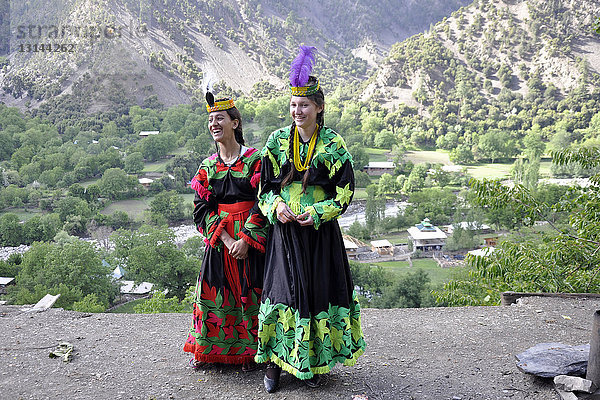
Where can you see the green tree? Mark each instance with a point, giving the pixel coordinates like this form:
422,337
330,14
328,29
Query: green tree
494,144
359,156
168,205
386,184
374,207
150,254
134,163
385,139
562,259
534,146
89,304
11,230
115,183
462,154
160,303
410,291
434,203
461,239
72,268
370,279
359,231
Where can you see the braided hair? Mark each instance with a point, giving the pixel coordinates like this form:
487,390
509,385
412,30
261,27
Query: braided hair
319,99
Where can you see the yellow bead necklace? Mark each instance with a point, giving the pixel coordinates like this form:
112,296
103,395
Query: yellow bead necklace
311,147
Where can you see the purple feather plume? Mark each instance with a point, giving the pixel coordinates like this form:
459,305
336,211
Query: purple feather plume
302,66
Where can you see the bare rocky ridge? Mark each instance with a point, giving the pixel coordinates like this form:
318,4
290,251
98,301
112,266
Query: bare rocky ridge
437,353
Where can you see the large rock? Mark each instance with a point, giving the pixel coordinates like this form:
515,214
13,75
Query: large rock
548,360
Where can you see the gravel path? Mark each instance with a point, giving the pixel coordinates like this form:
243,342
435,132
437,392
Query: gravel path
436,353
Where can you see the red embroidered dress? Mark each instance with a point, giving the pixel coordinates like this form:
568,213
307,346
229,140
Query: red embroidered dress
225,316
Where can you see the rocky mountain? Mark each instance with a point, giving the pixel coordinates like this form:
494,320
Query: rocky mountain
494,48
101,54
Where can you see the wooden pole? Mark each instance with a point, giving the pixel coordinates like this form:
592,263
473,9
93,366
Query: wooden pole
593,369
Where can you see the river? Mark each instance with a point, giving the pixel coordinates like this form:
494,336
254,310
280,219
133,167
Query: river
356,212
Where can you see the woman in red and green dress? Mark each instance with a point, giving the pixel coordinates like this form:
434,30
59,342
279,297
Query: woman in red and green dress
228,292
309,315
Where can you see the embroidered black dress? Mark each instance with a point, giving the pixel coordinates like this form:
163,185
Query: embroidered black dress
309,315
225,316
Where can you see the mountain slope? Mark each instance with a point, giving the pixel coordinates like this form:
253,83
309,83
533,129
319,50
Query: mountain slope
507,45
166,48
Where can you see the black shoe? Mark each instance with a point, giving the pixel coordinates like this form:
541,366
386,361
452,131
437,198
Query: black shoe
316,381
271,380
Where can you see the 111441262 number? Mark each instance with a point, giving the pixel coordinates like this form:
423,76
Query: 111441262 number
47,48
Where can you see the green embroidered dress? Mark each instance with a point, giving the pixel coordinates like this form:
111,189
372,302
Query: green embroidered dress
309,317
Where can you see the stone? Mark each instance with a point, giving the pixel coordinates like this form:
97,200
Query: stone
548,360
574,384
566,395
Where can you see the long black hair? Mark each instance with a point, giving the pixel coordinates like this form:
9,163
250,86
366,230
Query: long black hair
319,99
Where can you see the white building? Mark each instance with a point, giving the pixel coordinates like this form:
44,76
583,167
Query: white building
379,167
383,247
129,287
426,237
145,182
148,133
469,226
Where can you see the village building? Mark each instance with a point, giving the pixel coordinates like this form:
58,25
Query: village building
490,241
383,247
148,133
118,272
351,249
145,182
354,247
468,226
140,290
4,282
426,237
377,168
484,252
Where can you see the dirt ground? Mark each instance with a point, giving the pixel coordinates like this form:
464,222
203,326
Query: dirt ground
435,353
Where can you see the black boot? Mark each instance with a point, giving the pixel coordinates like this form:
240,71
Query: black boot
317,380
272,375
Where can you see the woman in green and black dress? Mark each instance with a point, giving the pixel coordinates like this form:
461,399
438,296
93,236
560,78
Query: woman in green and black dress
309,317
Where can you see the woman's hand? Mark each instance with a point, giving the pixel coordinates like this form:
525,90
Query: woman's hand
284,213
227,239
239,249
305,219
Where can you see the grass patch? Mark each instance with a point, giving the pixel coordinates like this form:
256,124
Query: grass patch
427,156
23,214
377,155
437,274
136,207
545,171
127,308
360,194
157,166
399,237
188,198
133,207
490,171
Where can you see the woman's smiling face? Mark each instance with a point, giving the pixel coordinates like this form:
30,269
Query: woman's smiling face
221,126
304,111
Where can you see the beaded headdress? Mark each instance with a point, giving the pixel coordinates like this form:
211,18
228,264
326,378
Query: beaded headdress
213,105
300,73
